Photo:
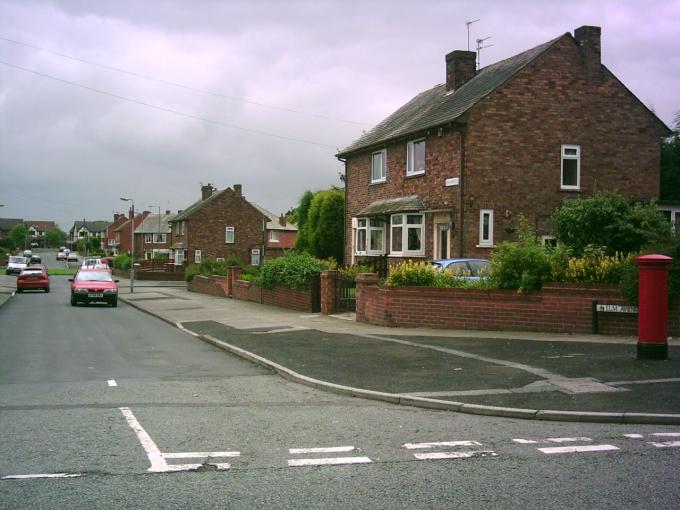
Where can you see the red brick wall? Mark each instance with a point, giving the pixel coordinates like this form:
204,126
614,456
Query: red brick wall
556,309
513,142
286,240
293,299
212,285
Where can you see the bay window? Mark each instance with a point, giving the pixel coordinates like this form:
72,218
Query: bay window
407,234
370,236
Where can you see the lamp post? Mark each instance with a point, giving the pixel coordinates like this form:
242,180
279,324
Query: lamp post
159,226
132,245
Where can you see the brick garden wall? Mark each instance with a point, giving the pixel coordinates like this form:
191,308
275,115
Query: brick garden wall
555,309
212,285
293,299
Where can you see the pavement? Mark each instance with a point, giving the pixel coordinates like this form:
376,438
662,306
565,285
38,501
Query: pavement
544,376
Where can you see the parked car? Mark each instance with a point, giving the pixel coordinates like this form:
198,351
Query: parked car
62,248
72,256
94,286
27,253
16,264
36,259
470,269
33,278
108,261
61,255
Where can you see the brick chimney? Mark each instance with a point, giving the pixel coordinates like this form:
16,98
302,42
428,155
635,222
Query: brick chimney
588,38
238,189
282,220
460,67
206,191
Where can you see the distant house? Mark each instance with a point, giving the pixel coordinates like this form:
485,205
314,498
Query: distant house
122,234
110,240
449,173
154,236
7,224
86,229
37,229
223,224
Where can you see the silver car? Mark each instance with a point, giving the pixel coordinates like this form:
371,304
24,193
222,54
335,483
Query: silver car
16,264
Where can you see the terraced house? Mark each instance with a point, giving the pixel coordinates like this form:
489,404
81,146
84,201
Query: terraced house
449,172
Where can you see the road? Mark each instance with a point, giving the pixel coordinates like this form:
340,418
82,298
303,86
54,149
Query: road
111,408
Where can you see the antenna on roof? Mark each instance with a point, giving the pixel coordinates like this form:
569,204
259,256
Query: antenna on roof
480,47
468,23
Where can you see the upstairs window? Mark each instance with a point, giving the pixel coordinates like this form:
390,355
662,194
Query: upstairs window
198,256
273,236
415,157
229,235
571,167
159,238
147,238
379,166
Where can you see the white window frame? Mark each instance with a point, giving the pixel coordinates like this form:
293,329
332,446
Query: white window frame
198,256
274,236
159,238
148,238
488,241
577,158
370,231
229,239
255,257
383,169
179,257
546,238
405,227
410,157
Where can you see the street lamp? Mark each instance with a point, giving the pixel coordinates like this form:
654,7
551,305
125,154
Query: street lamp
132,245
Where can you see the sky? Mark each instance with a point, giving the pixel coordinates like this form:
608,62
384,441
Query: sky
149,100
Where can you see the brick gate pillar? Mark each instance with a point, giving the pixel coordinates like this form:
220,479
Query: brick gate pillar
234,274
329,283
364,280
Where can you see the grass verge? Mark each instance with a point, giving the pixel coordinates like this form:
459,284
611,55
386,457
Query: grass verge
60,271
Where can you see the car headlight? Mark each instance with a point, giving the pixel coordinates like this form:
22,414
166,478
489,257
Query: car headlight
80,290
110,291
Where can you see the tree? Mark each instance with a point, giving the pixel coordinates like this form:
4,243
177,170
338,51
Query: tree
670,164
302,239
19,234
609,221
325,224
55,237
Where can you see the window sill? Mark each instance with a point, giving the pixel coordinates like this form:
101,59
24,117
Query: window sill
486,246
571,190
364,254
406,254
419,174
372,183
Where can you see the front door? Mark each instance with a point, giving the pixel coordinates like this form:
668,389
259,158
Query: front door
443,241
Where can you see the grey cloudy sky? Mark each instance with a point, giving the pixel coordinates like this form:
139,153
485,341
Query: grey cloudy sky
313,74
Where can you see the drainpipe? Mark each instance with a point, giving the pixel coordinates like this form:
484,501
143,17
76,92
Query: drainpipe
461,192
344,216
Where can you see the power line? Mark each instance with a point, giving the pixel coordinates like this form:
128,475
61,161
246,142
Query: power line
185,87
168,110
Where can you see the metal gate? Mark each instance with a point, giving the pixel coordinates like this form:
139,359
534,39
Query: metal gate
346,293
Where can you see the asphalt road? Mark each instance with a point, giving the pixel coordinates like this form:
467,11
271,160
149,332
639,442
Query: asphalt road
146,416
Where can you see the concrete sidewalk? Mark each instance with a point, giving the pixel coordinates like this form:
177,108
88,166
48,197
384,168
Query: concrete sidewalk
528,375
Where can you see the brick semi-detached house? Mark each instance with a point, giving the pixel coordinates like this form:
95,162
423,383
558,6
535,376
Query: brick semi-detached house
223,224
123,233
154,236
449,173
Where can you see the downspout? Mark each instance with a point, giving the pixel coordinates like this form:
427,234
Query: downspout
461,192
344,215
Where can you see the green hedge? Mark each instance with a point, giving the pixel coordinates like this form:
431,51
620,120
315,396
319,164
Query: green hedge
293,270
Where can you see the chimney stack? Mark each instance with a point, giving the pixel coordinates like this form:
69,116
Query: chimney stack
206,191
588,38
238,190
460,67
167,211
282,220
130,213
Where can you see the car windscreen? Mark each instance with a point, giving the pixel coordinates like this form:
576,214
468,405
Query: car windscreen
478,265
17,260
94,276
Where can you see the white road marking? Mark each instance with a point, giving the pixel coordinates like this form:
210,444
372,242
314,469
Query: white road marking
44,475
453,455
667,434
633,436
414,446
525,441
112,382
332,449
222,466
158,464
567,439
199,455
667,444
328,462
578,449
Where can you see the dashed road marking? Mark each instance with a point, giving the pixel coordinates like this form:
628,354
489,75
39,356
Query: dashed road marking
415,446
454,455
112,382
633,436
329,461
579,449
332,449
43,475
666,444
553,440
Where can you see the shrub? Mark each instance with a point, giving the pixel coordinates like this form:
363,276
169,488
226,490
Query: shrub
248,277
422,274
523,265
210,267
161,257
191,271
355,269
122,261
293,270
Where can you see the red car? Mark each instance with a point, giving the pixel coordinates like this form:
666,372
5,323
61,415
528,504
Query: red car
93,286
33,278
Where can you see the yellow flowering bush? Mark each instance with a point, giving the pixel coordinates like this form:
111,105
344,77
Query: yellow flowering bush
593,267
422,274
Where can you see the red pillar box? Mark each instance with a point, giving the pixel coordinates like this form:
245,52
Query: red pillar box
653,306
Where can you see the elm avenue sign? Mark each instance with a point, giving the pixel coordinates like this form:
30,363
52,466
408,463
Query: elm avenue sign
617,309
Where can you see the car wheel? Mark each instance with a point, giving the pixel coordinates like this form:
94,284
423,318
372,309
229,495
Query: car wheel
47,289
73,301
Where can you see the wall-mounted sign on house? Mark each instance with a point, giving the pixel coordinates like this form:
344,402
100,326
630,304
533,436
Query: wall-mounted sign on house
449,172
223,224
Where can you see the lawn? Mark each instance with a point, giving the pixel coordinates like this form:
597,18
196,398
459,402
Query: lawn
61,271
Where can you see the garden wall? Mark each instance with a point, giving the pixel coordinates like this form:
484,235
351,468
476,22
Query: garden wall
155,276
293,299
558,308
212,285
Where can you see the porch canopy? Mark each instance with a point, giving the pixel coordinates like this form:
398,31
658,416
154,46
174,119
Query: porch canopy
393,205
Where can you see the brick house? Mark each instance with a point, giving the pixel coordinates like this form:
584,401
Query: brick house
223,224
123,233
86,229
37,229
154,236
449,173
7,224
110,240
